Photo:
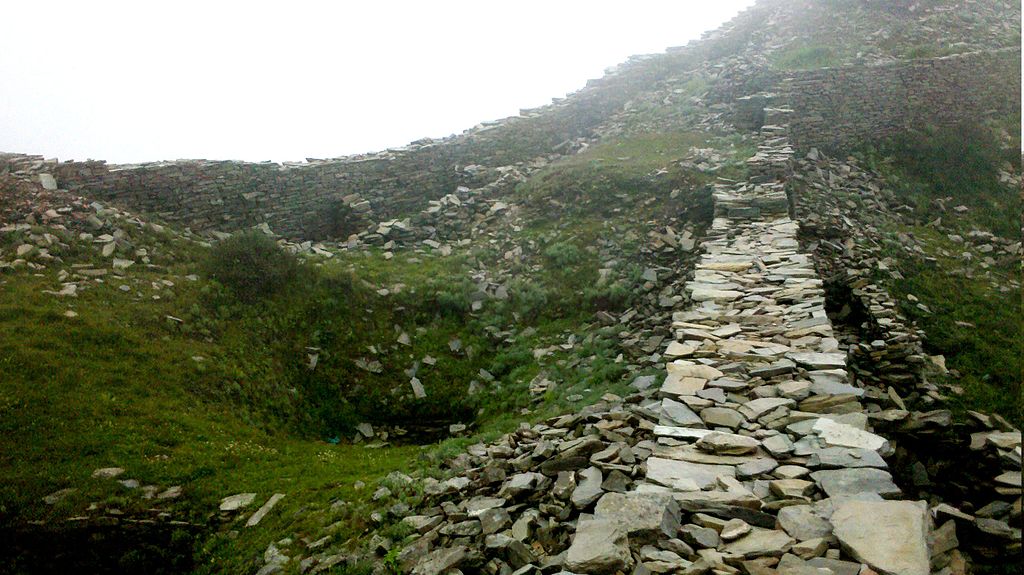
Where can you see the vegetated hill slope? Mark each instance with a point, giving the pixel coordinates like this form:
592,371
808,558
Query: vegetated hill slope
120,347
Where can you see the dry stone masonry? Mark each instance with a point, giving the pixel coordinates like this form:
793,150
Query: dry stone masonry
756,454
333,198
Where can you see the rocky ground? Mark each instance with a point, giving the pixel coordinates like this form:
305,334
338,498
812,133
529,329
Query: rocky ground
756,453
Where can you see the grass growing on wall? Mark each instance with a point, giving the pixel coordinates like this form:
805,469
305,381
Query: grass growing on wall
805,57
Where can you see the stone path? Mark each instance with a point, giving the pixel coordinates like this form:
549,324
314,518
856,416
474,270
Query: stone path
754,456
763,438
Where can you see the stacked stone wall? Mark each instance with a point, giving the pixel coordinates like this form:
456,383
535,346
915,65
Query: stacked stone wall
837,107
295,200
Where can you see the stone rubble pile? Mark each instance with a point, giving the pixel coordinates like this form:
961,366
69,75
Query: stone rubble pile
48,227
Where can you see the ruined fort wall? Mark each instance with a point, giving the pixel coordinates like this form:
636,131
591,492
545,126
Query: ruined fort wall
833,108
836,107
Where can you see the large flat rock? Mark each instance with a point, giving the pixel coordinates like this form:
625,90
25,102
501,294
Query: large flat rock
890,536
599,546
836,434
686,476
645,516
839,482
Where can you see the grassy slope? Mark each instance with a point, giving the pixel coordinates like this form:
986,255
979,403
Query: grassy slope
987,345
118,385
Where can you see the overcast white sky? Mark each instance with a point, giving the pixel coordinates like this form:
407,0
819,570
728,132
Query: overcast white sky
148,80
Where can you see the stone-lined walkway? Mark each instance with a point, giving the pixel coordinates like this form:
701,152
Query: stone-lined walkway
754,456
762,438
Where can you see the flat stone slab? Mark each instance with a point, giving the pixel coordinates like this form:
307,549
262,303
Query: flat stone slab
236,502
645,516
728,444
722,416
761,543
702,294
758,407
685,368
838,482
684,475
680,432
839,457
802,523
836,434
890,536
818,360
678,414
679,385
599,546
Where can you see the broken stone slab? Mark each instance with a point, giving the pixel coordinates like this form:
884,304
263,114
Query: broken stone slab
646,517
707,294
685,368
722,417
728,443
588,490
756,408
678,415
600,546
676,385
779,367
441,560
889,536
801,522
236,502
761,543
677,349
264,510
838,482
814,360
680,432
684,475
838,457
837,434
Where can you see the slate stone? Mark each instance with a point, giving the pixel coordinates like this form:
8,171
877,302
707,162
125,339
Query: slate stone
588,488
761,543
838,457
889,536
646,517
686,476
802,523
600,546
837,482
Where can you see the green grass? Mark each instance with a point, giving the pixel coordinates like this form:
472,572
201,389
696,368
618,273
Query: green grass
805,57
223,402
979,329
631,178
116,386
960,168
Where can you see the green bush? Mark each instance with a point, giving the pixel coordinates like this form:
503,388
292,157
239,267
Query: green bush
251,265
563,254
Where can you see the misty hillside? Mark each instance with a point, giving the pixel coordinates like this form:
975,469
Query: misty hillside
748,306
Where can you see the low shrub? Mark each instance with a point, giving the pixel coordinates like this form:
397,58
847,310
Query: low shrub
251,265
563,254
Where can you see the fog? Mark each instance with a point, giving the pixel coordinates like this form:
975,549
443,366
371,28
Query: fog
141,81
